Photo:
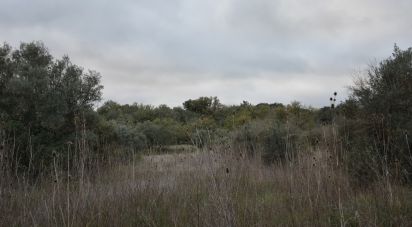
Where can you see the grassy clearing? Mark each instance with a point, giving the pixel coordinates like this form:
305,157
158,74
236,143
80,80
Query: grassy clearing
208,188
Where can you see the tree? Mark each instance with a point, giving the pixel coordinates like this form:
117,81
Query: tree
43,101
387,89
384,98
203,105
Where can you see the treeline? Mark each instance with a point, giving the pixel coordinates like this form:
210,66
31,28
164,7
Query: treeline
200,122
47,111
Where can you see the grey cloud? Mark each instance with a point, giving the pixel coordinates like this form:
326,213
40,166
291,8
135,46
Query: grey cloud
156,51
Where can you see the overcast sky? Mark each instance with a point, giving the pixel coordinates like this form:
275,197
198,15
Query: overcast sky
155,52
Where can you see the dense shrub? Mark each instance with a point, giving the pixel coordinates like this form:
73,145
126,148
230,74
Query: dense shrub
384,99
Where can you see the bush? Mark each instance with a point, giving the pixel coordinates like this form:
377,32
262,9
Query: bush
384,98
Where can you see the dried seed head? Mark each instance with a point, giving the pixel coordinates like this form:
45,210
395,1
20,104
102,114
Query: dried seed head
227,170
330,98
335,93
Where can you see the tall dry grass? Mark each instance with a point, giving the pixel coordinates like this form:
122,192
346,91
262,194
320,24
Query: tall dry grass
221,187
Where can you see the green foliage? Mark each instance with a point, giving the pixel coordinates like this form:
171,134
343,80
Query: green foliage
261,110
384,100
43,102
160,132
387,89
202,105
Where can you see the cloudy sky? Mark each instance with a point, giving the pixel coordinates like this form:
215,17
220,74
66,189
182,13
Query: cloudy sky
154,52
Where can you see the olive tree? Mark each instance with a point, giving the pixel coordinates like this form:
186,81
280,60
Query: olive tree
43,102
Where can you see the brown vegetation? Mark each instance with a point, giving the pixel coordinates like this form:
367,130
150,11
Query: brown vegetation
222,187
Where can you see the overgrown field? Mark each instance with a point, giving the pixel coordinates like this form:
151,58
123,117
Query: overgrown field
65,162
207,188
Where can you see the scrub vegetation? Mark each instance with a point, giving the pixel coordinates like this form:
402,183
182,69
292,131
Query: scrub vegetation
66,162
